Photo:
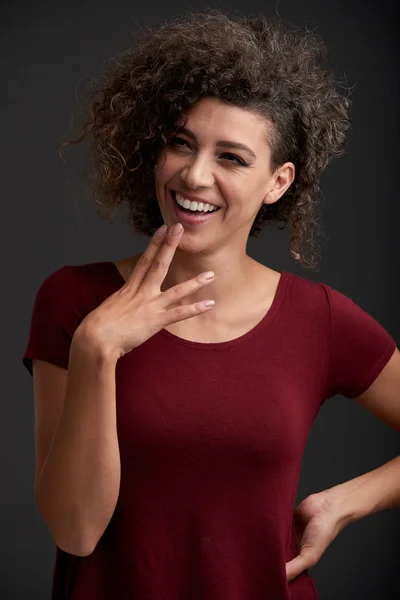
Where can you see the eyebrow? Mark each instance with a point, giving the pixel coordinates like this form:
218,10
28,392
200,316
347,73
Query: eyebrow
220,143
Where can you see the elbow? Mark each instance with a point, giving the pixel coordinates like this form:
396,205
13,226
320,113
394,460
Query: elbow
75,548
68,538
71,531
75,544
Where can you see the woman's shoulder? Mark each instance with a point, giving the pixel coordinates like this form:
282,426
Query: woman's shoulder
125,266
89,272
89,282
307,298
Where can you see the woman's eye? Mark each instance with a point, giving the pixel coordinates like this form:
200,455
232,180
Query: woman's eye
238,160
180,142
175,141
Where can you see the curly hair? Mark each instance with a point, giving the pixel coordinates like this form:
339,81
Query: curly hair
255,63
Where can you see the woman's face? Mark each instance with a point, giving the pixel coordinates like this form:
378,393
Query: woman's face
202,163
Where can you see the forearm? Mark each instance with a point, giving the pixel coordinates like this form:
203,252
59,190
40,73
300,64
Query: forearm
79,483
372,492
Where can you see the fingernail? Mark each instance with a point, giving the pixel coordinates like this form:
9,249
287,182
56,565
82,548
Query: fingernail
177,228
206,276
209,303
162,230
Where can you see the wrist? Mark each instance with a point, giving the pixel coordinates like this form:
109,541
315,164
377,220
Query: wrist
338,502
87,345
369,493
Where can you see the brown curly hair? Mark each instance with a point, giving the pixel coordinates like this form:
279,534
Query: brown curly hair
255,63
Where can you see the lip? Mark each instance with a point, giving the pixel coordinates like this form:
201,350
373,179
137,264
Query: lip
193,198
187,218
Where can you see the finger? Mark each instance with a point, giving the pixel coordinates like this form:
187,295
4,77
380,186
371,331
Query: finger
187,288
160,264
146,259
180,313
296,566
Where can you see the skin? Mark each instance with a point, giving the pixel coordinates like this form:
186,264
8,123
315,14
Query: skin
218,175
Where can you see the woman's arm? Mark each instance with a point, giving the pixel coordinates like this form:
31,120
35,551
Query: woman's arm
321,516
379,489
78,484
372,492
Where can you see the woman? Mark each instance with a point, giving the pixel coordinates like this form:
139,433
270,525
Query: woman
170,432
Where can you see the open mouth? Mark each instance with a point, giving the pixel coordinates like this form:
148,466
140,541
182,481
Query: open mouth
192,212
190,217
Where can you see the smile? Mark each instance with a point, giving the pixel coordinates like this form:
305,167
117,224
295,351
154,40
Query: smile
185,215
193,205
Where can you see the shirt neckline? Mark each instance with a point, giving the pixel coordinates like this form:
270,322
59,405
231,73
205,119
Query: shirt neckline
267,318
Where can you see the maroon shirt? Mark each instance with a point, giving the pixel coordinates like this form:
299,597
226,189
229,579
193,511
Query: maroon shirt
211,440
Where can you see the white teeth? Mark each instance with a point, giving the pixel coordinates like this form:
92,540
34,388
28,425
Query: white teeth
195,206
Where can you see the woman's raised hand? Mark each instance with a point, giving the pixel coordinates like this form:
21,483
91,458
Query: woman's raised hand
138,310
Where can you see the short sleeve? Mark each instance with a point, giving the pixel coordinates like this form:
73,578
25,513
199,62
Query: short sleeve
55,317
358,347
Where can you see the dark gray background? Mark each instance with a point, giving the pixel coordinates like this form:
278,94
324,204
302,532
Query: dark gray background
47,221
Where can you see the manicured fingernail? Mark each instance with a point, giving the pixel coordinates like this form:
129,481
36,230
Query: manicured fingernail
209,303
162,230
177,228
207,276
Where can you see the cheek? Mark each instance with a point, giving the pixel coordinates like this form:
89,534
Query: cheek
165,170
245,199
237,195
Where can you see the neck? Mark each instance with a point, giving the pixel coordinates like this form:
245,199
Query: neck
233,275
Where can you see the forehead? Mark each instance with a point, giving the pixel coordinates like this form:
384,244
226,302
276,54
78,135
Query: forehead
213,118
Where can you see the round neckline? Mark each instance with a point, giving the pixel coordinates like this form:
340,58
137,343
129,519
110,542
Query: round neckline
267,318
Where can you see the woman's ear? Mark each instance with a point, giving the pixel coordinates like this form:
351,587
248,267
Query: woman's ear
281,180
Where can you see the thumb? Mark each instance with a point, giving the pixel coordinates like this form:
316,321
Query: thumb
297,565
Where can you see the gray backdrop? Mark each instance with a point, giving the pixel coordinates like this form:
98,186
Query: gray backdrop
48,221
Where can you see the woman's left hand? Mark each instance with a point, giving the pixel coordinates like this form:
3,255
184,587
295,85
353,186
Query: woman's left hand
317,524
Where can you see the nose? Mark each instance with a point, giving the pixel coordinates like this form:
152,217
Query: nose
197,173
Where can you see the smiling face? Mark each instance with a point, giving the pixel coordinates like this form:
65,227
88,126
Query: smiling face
222,157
